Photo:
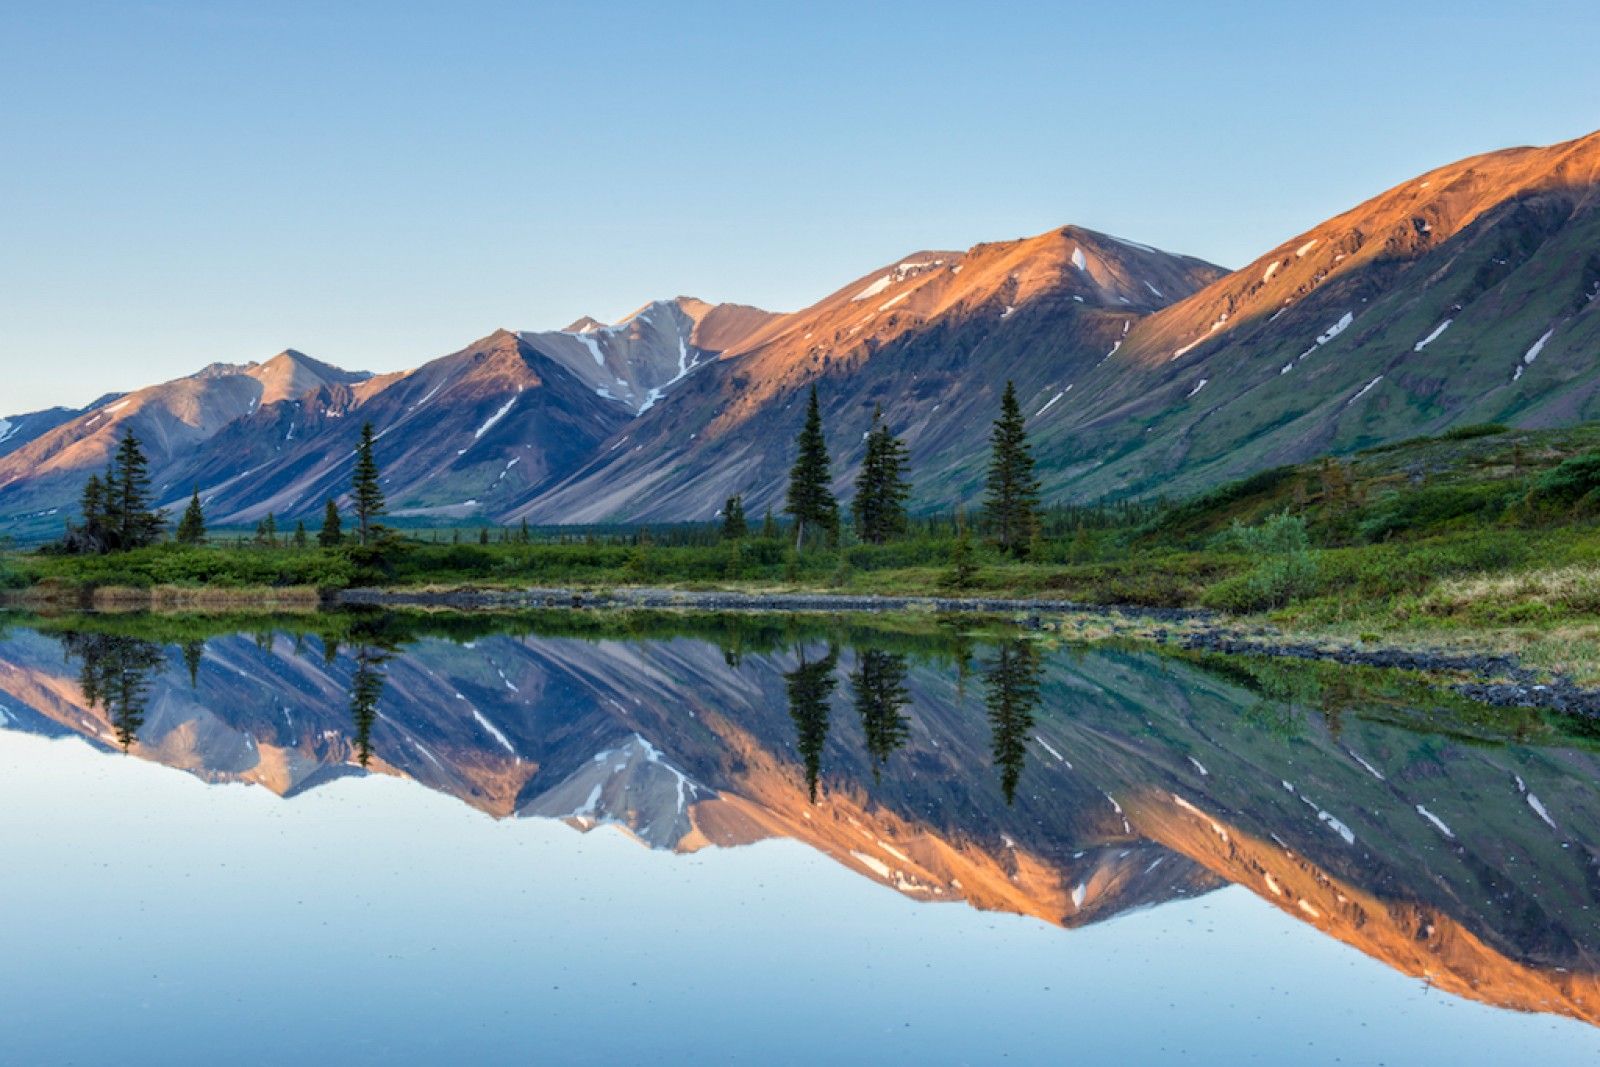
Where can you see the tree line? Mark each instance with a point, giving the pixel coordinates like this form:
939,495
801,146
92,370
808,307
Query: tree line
117,511
883,487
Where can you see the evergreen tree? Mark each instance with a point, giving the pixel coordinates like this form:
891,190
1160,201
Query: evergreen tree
483,536
734,526
1012,502
809,686
811,499
524,536
963,565
269,530
769,527
366,494
300,538
192,527
132,524
93,535
1012,681
878,684
330,536
881,488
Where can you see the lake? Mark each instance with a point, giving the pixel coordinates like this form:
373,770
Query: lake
563,837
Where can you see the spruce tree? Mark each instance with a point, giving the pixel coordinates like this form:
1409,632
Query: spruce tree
92,535
881,489
769,527
300,538
331,535
192,527
811,499
269,528
134,525
734,526
1012,502
963,565
366,494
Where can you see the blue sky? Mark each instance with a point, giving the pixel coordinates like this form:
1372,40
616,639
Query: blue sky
379,183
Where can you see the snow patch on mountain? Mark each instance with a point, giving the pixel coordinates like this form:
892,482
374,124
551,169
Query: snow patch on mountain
1363,391
1331,332
497,416
1538,346
1432,337
874,289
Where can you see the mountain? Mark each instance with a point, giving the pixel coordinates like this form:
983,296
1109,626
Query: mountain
637,360
932,338
1469,294
1466,295
494,420
174,421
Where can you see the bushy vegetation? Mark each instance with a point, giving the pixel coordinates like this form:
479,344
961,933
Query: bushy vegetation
1484,526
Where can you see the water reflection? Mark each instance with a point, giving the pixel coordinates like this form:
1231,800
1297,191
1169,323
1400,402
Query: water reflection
1450,841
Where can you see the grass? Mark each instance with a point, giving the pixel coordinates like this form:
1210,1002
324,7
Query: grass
1485,535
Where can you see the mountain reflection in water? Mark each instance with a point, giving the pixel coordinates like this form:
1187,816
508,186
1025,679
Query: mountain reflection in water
1449,841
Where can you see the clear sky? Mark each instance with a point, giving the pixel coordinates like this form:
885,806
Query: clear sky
378,184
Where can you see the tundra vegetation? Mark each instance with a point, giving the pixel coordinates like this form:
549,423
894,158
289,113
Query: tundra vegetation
1485,532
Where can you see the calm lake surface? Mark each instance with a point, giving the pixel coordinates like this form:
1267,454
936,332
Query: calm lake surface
596,838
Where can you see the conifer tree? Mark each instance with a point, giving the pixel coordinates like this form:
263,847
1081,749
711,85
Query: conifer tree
92,535
769,527
366,494
331,535
963,567
269,530
1012,501
300,538
524,536
132,523
881,489
192,527
811,499
734,526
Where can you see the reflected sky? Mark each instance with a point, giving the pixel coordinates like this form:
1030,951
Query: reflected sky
161,916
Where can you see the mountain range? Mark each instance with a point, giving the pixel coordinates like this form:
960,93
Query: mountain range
1468,294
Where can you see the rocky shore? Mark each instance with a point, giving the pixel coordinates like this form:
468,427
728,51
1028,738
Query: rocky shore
1495,679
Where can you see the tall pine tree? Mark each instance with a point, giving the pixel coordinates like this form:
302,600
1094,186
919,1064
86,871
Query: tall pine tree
881,487
1012,502
811,499
192,527
132,524
366,494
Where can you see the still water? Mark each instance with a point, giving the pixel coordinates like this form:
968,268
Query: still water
565,838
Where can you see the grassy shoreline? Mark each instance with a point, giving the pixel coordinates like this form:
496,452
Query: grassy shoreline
1487,539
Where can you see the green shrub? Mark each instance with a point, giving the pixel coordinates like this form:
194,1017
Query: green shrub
1286,571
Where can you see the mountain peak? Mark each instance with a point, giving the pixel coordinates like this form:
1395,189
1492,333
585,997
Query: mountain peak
292,373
